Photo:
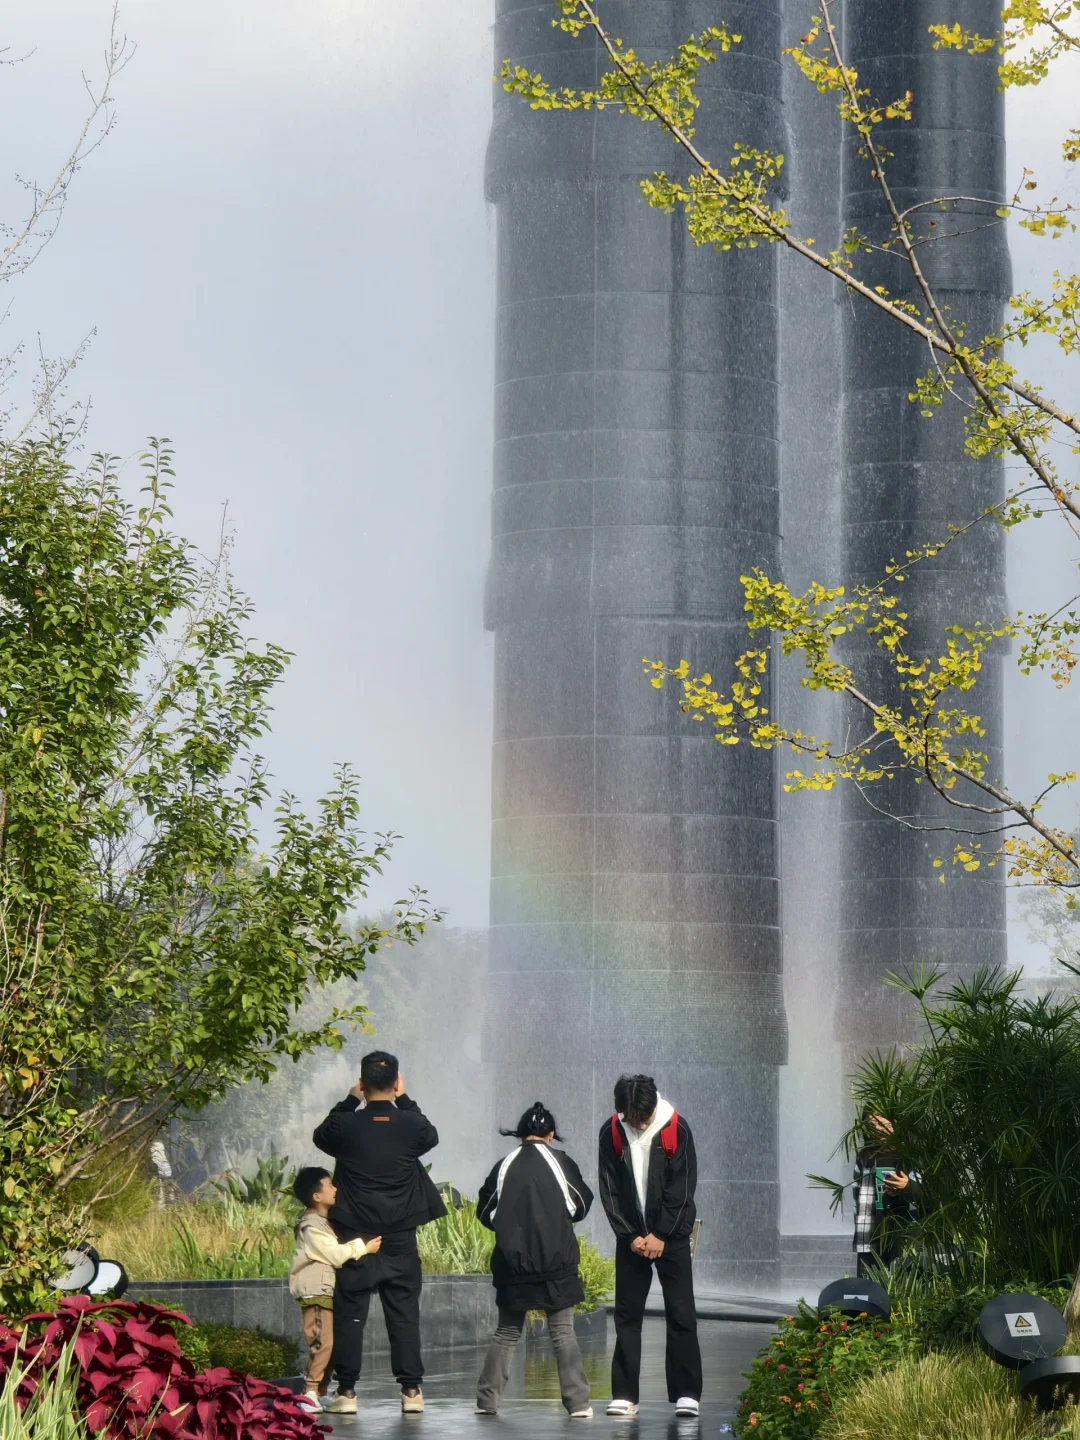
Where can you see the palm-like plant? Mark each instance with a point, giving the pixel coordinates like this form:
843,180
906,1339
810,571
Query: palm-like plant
987,1112
272,1179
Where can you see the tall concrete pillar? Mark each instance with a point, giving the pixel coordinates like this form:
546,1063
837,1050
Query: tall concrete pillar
635,909
813,1112
906,479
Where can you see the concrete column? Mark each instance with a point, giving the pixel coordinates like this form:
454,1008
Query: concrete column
906,479
812,1110
635,907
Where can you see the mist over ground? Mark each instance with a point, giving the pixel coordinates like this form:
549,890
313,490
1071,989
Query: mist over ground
425,1004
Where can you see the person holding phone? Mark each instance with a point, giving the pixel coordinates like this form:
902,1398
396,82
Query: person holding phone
382,1189
884,1194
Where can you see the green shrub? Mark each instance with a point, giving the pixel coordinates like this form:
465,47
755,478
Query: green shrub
987,1111
195,1343
944,1317
810,1361
959,1396
271,1181
251,1352
456,1243
197,1240
597,1276
264,1257
117,1192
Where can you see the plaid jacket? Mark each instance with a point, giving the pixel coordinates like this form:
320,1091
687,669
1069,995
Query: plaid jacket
867,1218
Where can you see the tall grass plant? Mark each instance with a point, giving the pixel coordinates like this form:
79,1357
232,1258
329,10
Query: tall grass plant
957,1396
232,1239
51,1413
202,1240
456,1243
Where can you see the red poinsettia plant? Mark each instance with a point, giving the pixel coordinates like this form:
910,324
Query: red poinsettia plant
134,1383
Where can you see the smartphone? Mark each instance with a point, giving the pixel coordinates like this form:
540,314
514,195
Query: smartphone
880,1172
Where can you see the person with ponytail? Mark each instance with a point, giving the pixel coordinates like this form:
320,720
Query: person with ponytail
532,1199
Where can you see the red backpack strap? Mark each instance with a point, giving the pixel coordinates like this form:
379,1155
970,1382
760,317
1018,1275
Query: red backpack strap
616,1136
669,1135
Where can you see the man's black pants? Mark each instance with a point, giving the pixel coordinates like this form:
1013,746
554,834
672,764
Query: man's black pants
395,1273
633,1277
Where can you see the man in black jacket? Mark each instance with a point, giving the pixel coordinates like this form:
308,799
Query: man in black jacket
648,1175
383,1189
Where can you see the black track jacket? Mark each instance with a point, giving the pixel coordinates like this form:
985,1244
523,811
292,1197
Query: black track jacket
382,1186
669,1192
534,1265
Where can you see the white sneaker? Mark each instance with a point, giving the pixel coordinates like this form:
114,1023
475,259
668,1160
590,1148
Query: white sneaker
585,1414
310,1401
343,1403
687,1407
622,1409
483,1410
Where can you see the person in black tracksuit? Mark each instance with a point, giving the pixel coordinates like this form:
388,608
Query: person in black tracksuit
532,1199
383,1189
648,1195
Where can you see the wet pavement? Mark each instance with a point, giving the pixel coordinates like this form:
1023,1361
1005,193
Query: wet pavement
532,1408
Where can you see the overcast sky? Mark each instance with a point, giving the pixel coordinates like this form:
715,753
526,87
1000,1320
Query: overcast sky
286,254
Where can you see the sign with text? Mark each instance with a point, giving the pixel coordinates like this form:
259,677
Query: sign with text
1017,1329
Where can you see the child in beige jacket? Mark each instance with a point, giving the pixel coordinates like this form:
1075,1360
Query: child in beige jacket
318,1255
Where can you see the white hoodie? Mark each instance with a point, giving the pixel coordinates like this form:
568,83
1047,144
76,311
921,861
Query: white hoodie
639,1144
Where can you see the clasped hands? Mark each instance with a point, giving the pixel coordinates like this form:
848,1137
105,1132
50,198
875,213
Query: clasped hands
648,1246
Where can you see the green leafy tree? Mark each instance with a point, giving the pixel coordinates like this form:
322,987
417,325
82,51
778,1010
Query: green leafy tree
1055,925
423,1004
922,722
156,945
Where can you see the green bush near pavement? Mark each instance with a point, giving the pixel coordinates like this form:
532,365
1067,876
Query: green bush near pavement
597,1276
944,1318
249,1352
806,1383
986,1110
456,1243
796,1380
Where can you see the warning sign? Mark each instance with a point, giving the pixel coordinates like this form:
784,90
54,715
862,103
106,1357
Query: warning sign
1016,1329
